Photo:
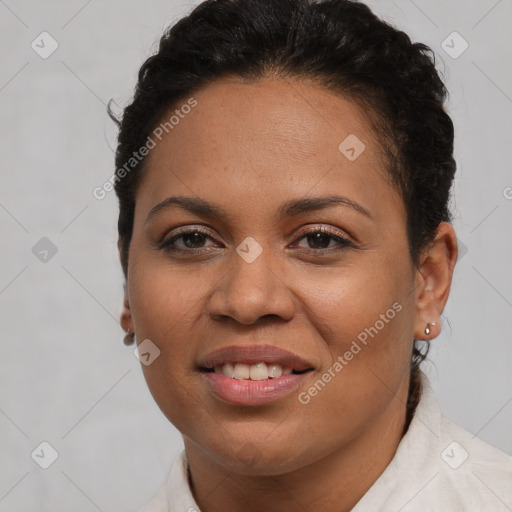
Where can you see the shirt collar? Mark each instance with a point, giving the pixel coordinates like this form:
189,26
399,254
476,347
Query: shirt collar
179,493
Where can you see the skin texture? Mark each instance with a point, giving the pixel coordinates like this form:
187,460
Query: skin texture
248,147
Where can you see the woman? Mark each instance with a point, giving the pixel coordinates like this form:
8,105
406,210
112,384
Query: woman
283,173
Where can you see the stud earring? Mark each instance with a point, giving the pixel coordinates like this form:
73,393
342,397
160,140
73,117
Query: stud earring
129,337
427,328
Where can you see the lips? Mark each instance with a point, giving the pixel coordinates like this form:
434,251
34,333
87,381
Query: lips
253,375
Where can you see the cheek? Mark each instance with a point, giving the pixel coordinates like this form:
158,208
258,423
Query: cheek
364,336
166,306
364,319
370,300
165,302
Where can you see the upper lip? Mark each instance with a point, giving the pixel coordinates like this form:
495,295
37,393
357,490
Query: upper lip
253,354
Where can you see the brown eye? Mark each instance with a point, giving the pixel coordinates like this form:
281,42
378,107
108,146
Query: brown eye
190,240
319,240
322,238
193,240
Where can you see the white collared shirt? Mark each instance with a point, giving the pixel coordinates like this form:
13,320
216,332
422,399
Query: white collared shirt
438,466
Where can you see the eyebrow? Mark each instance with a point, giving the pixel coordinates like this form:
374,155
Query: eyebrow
288,209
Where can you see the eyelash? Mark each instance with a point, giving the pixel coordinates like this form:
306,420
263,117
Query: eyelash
344,243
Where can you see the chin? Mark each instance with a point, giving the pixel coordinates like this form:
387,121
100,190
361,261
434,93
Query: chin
259,457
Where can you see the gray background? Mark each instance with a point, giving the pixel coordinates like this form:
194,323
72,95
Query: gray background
65,375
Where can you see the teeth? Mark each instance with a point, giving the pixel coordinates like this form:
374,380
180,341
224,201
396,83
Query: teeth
275,370
259,371
228,370
242,371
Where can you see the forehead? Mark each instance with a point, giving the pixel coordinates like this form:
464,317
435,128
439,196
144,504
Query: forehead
266,116
263,139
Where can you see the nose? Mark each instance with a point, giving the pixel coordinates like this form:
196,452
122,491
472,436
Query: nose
251,291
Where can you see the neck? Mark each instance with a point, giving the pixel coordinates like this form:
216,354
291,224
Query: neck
334,483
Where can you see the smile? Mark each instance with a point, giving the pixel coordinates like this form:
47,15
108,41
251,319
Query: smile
253,375
259,371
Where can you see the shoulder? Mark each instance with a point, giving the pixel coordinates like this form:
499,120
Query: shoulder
176,494
158,503
464,472
478,473
439,465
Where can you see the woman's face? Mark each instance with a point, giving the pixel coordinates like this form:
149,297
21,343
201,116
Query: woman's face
329,281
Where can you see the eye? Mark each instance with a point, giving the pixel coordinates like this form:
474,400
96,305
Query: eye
191,239
319,239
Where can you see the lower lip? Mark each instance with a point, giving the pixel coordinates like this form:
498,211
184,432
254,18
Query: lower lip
253,392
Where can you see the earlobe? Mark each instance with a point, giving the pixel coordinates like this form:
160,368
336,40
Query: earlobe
434,281
126,319
126,314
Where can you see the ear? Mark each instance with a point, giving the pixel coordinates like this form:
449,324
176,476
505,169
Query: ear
433,281
126,314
